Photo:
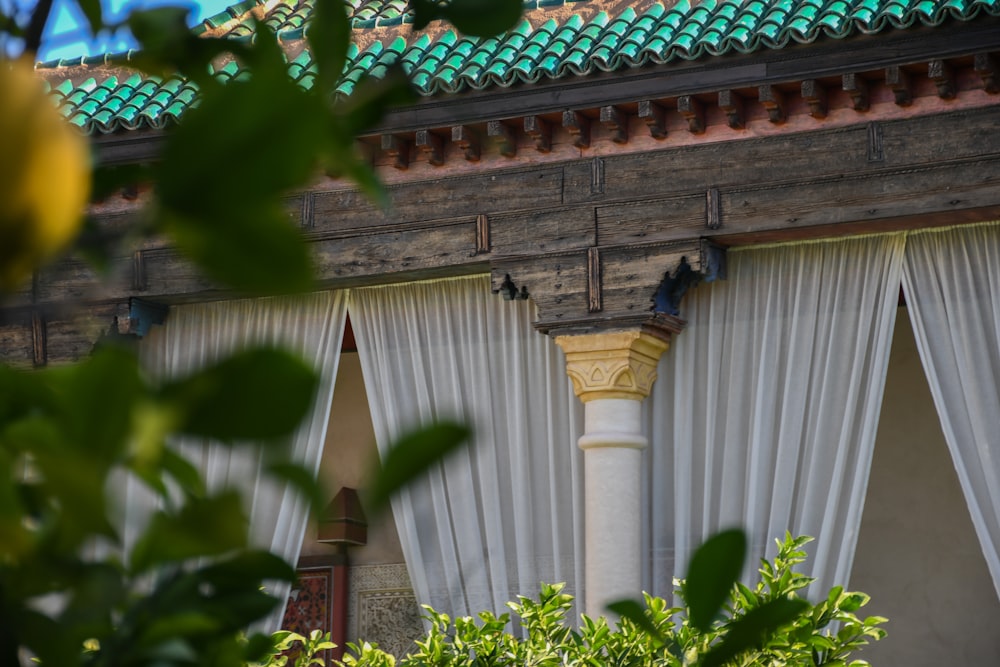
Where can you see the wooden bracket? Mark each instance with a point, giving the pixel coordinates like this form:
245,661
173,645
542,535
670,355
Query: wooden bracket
713,217
504,137
693,111
616,121
467,139
898,81
876,148
655,118
732,104
482,234
398,149
140,281
39,339
578,126
594,300
597,176
814,93
540,132
943,77
986,66
857,88
774,101
432,146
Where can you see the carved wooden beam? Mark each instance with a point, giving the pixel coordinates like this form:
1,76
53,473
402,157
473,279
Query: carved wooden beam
693,111
504,137
578,126
616,121
857,88
774,101
943,76
814,93
467,139
655,118
432,145
398,149
986,66
898,80
732,104
540,132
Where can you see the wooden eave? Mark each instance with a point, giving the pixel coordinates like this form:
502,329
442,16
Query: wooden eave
642,170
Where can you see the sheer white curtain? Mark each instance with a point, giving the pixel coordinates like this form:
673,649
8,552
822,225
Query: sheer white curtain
501,515
952,284
765,411
196,335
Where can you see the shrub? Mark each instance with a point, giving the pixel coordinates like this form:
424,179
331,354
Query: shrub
825,633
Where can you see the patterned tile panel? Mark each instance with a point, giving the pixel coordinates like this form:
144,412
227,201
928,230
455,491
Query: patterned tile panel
539,48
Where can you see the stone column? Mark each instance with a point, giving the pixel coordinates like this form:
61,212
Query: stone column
612,373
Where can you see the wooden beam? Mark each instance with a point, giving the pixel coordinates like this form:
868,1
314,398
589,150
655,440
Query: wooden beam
482,234
814,93
898,80
857,87
594,297
578,127
467,139
39,340
540,132
713,217
693,111
616,121
398,149
986,66
731,104
655,117
504,137
943,76
774,101
431,145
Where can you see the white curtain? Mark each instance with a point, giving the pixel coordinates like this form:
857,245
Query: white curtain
196,335
765,411
952,284
500,516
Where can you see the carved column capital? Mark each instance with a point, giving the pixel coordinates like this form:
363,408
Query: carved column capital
614,364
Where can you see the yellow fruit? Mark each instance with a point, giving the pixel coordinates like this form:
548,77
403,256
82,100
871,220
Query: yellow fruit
44,176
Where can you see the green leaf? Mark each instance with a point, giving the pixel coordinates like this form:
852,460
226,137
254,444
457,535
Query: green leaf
477,18
204,527
92,12
329,35
302,481
754,629
256,394
369,101
242,571
412,455
714,569
635,612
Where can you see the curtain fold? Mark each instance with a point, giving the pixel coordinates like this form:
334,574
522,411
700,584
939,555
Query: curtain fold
504,514
765,412
952,284
196,335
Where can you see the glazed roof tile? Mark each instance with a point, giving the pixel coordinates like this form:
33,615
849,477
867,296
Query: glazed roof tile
539,47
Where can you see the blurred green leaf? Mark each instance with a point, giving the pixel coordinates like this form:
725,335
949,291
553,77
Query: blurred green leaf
370,99
329,35
754,629
477,18
240,572
168,46
636,613
303,481
203,527
259,394
412,455
713,570
92,11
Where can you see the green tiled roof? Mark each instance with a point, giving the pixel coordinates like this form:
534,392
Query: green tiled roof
539,48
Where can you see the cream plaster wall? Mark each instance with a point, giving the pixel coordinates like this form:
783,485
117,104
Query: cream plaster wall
348,455
918,556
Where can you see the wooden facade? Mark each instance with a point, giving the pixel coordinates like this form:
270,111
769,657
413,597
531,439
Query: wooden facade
588,191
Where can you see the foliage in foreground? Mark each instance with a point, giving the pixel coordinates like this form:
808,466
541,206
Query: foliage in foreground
826,633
